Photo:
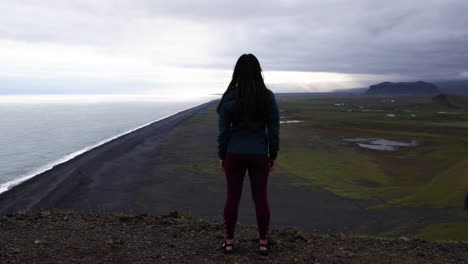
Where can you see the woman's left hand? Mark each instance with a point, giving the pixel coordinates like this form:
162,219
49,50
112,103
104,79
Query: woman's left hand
221,164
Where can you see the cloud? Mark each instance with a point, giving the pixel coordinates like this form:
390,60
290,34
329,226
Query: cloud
176,43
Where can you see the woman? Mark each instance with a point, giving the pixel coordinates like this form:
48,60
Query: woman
248,140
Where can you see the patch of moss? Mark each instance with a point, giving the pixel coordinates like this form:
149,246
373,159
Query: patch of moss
118,214
67,212
371,237
342,172
393,233
456,231
446,189
211,168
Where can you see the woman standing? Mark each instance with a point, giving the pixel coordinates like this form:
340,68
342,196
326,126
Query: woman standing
248,140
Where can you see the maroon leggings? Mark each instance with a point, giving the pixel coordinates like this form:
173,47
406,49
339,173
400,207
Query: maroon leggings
235,166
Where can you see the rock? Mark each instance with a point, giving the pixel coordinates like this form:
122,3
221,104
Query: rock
466,201
219,234
403,238
290,233
124,218
291,230
304,235
183,225
167,222
45,213
174,213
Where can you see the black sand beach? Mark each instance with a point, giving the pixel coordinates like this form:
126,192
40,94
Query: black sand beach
172,164
102,179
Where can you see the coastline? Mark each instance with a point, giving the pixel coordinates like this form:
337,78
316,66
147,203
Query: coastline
27,191
23,177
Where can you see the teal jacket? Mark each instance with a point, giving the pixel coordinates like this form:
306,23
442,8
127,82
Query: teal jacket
247,137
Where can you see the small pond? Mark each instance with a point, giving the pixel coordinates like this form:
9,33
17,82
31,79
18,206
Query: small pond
381,144
291,121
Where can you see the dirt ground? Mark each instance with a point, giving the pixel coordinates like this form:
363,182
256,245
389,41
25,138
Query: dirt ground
71,237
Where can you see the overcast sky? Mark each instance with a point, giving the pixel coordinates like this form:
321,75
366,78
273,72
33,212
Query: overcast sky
190,47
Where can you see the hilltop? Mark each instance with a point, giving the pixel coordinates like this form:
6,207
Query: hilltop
78,237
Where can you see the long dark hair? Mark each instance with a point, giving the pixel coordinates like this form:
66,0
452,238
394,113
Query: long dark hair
252,96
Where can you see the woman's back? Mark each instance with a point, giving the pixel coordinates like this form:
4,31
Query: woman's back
248,136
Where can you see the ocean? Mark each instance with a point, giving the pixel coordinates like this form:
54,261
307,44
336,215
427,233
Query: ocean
38,132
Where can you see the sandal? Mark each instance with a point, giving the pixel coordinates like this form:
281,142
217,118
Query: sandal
226,244
261,251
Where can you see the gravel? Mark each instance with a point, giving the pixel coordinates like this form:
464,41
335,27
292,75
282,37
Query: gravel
76,237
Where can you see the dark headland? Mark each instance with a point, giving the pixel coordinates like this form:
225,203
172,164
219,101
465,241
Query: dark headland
403,88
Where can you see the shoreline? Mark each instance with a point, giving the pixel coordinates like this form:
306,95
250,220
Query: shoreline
30,184
50,165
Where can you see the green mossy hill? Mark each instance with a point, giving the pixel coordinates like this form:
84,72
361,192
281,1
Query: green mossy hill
451,100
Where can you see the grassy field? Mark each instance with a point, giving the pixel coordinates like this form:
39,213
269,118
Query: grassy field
445,232
434,173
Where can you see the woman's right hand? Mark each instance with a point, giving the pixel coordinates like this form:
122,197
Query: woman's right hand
272,165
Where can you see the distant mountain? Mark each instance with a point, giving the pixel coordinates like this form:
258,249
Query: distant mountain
350,90
459,87
403,88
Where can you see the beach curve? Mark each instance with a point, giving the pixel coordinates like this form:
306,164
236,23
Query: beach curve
31,191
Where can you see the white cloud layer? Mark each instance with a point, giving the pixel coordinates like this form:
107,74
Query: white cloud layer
191,46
